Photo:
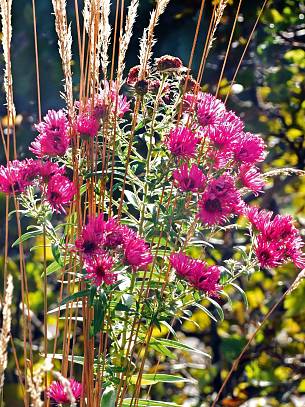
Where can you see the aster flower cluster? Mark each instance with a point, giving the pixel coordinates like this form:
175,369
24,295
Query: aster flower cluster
103,244
196,272
44,176
277,240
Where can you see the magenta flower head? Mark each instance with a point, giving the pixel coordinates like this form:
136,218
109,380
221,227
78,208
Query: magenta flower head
87,125
92,237
210,110
57,392
53,139
116,234
137,253
98,270
14,178
192,179
223,136
249,148
251,178
182,142
196,273
220,201
60,192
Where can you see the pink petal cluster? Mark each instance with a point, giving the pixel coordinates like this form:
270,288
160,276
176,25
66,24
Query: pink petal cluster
53,139
251,178
182,142
220,200
14,177
60,192
103,243
196,272
87,125
189,179
277,239
57,392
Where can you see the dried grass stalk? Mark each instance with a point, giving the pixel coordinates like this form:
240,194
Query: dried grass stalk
104,35
6,327
36,383
147,40
219,13
125,39
6,21
284,171
65,49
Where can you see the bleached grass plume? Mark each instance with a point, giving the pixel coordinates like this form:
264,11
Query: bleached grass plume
219,13
36,383
104,35
6,327
147,40
6,21
125,39
65,48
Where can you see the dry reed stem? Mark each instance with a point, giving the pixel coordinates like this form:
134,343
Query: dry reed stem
36,384
6,327
65,49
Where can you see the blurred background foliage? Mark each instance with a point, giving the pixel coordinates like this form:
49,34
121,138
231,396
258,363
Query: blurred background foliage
269,94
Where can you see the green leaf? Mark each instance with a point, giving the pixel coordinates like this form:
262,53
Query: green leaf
219,310
242,293
150,403
53,267
74,296
76,359
56,253
148,379
27,236
162,349
100,306
108,397
132,199
178,345
206,311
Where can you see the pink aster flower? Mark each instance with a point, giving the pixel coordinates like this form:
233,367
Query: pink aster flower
60,192
137,253
119,103
182,142
251,178
87,125
91,238
53,139
14,178
192,179
57,392
116,234
210,110
220,200
43,170
232,119
196,272
269,254
98,270
223,136
183,264
277,240
249,148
